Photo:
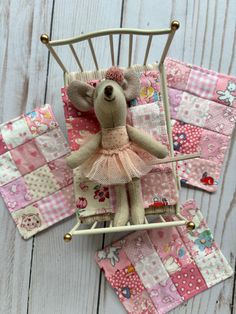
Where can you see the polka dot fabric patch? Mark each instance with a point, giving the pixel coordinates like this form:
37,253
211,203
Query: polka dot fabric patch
126,283
189,281
186,137
35,182
145,283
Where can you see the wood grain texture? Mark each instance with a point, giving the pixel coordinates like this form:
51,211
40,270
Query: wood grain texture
23,74
45,275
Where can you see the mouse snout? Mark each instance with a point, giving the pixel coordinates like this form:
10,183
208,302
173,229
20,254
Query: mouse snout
108,91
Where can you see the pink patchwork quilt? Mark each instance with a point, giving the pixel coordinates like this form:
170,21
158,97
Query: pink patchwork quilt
203,109
35,182
155,271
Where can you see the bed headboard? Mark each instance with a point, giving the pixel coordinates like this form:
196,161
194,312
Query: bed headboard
130,32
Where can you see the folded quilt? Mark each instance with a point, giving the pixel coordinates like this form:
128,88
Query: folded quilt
35,182
155,271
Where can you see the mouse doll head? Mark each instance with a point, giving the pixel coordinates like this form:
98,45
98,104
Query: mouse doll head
108,98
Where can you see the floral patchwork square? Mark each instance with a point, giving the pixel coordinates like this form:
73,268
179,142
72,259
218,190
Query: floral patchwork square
60,170
91,198
41,120
140,304
15,133
171,248
189,281
52,144
213,146
8,169
41,183
16,194
28,157
149,88
137,246
177,74
164,193
214,268
193,110
221,119
165,296
29,221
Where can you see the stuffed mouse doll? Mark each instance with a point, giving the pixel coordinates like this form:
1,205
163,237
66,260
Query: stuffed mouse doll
119,154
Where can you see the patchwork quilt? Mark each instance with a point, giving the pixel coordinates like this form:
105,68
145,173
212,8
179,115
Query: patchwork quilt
155,271
203,109
35,182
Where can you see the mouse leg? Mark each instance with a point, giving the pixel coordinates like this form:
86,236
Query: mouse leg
136,202
122,207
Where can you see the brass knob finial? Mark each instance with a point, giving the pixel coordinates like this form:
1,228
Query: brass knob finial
44,38
175,25
67,237
190,225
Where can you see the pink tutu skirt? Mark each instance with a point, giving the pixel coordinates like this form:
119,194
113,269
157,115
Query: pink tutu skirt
118,166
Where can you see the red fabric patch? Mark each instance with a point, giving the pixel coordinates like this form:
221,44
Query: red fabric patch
186,137
126,283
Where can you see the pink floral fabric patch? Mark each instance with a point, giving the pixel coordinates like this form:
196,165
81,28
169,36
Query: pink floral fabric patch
41,120
35,182
28,157
8,169
16,194
164,193
177,74
15,132
155,271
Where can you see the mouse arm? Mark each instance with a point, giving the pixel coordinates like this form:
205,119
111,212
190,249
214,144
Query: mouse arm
147,142
77,158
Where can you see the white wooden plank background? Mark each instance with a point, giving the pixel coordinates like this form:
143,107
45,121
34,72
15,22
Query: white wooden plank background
44,275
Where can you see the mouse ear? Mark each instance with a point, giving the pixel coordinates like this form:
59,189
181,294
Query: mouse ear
81,95
131,85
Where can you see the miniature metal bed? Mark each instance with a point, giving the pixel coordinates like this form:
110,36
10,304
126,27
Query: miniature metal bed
107,227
